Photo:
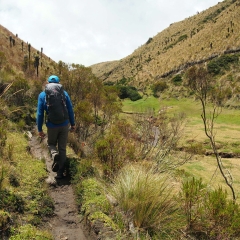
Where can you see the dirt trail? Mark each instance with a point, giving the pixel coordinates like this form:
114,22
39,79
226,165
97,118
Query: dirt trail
65,224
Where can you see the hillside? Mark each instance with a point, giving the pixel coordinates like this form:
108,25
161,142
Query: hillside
194,40
15,55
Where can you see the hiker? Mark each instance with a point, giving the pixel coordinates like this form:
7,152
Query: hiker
56,103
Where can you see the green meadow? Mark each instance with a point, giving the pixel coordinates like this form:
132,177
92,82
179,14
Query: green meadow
227,124
226,128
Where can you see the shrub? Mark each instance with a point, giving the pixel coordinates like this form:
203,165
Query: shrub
193,195
223,215
183,37
215,66
17,93
122,81
80,169
11,202
159,87
116,148
2,59
149,40
5,219
177,80
108,83
145,196
129,92
209,214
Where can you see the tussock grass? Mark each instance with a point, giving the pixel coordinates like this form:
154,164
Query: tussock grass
146,197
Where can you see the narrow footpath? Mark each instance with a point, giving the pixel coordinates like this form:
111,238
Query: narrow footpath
66,223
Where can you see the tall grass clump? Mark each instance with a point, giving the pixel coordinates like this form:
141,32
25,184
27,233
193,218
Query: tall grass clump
146,198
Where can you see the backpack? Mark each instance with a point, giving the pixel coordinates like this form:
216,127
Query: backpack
56,103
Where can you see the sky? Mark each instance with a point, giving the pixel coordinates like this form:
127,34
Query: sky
93,31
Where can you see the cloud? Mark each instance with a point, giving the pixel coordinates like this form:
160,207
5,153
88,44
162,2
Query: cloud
92,31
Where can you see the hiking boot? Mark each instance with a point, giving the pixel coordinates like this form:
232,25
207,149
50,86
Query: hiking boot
59,175
55,165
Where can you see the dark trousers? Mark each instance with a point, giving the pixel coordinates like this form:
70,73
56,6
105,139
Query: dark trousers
57,143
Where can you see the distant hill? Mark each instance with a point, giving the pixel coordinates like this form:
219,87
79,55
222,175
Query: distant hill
194,40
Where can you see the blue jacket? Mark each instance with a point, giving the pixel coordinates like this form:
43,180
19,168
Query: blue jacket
42,106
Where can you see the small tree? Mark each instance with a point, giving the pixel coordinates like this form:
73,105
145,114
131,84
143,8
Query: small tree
208,91
29,53
36,63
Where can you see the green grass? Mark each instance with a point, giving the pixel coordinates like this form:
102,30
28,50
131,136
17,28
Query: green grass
191,108
141,105
227,124
28,174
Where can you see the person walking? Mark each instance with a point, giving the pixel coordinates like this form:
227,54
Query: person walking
56,105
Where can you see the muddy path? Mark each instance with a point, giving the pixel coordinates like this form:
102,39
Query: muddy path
66,223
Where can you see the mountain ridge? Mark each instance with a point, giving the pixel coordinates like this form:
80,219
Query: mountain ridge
202,36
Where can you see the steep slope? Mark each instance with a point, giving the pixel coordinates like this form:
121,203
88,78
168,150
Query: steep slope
194,40
14,54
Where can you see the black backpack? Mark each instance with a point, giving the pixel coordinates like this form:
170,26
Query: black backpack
56,103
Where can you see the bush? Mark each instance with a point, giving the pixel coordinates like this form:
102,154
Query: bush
5,219
129,92
159,87
149,40
11,202
80,169
177,80
209,214
17,93
108,83
215,66
2,59
146,197
183,37
116,148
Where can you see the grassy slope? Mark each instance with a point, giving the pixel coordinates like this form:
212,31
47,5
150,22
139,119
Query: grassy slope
158,57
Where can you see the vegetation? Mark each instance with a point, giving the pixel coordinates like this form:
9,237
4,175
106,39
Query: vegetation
144,142
195,40
124,90
209,213
222,63
203,87
158,88
146,198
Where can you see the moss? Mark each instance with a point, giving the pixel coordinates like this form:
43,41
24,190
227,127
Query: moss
30,232
108,222
93,199
4,219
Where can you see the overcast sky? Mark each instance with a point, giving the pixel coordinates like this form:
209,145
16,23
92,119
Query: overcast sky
92,31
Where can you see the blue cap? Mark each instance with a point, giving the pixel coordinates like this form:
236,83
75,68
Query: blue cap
53,79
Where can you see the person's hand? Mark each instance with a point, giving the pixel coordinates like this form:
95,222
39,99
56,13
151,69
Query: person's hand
41,134
72,128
